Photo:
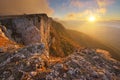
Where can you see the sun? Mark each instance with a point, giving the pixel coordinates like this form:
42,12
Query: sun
92,19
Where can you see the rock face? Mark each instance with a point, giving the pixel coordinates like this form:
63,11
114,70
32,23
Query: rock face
5,43
38,28
33,32
28,29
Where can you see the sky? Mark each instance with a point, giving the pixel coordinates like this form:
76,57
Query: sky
18,7
82,9
63,9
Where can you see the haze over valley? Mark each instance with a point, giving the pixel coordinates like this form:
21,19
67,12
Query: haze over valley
105,32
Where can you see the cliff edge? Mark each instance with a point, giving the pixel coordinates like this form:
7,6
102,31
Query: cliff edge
35,47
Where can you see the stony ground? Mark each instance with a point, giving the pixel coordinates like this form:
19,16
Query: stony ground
85,64
33,63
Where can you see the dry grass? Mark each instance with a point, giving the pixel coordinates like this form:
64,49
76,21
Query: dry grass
7,45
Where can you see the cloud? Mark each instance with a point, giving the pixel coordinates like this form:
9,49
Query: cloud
13,7
76,3
82,3
102,4
78,16
96,8
89,3
102,10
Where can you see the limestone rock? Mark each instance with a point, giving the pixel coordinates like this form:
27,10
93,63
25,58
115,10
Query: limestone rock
28,29
22,62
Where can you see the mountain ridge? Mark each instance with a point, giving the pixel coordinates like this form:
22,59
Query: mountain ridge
49,52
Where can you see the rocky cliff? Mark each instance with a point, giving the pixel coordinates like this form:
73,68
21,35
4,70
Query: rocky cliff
38,28
29,45
27,29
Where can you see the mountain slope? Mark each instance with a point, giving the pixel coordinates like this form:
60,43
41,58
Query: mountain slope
88,41
61,44
66,41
